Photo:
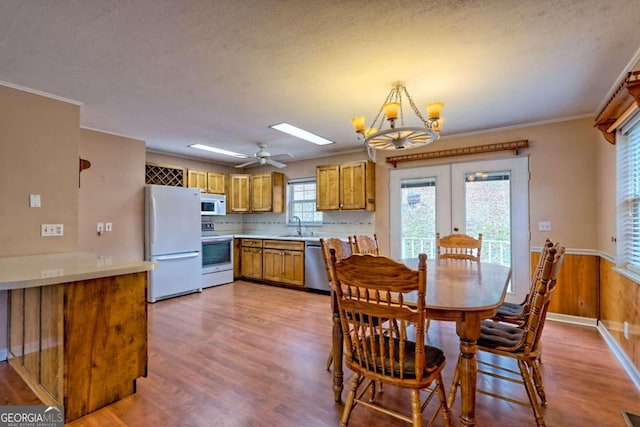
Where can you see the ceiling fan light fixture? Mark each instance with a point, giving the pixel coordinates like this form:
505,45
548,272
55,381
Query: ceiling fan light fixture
262,157
301,133
218,151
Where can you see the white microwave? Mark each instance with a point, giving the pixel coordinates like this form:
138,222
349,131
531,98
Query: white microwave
213,204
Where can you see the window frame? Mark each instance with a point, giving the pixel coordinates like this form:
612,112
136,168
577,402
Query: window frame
628,199
291,203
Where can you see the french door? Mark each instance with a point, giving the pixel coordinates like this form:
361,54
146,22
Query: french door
489,197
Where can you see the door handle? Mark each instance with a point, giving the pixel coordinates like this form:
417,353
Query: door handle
179,256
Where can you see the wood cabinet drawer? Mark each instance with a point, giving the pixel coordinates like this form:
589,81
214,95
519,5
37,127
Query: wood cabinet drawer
288,245
254,243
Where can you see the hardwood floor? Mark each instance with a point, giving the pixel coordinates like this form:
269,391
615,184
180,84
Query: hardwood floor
247,354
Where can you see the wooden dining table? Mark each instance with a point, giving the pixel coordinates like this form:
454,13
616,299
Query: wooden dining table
457,291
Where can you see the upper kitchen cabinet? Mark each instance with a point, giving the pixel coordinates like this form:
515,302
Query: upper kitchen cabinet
197,179
239,194
207,182
216,182
268,192
257,193
347,186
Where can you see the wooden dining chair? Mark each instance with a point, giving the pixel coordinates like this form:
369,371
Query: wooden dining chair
458,246
516,312
363,244
521,343
370,288
343,249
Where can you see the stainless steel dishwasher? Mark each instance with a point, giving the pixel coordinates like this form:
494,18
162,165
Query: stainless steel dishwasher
315,272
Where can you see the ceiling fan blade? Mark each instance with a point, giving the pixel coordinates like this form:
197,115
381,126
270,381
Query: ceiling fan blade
250,162
276,164
282,155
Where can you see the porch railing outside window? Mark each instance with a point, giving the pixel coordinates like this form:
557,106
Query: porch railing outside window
494,251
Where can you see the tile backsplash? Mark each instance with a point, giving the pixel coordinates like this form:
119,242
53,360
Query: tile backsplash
333,224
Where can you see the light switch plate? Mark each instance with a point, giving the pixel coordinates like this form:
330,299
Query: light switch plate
544,226
34,200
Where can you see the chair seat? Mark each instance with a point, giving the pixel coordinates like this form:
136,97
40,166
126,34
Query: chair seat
494,335
510,309
434,358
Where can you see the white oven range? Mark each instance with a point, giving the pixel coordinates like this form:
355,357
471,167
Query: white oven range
217,258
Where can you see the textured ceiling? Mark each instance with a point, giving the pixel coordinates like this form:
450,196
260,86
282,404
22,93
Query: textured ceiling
179,72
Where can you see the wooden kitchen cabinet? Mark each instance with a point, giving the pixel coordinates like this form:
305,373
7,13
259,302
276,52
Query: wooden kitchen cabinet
347,186
328,188
268,192
216,182
207,182
283,262
237,259
257,193
197,179
239,193
251,258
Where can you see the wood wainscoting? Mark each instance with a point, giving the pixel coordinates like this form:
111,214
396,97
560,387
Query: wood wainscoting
578,286
619,302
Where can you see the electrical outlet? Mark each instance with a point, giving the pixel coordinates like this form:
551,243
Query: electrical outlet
55,272
48,230
100,227
626,330
108,226
544,226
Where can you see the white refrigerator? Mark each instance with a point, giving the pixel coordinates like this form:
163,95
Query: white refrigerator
173,240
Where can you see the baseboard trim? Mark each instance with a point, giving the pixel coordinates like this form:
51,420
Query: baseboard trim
574,320
624,360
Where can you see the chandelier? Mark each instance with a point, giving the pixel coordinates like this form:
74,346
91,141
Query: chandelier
399,137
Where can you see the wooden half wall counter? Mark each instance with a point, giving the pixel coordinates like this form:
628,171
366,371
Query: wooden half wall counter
77,327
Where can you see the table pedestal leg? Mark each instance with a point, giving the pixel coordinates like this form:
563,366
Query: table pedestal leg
469,331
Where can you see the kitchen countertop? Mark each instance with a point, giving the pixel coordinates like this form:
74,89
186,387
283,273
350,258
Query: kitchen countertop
17,272
275,237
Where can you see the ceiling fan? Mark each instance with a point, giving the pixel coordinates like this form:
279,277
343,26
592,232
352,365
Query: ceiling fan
263,157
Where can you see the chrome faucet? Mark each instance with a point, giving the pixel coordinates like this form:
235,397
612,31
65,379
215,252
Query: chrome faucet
299,229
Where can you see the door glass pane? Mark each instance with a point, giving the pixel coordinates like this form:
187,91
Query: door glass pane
487,211
418,218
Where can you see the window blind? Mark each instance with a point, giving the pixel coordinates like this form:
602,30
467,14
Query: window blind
628,196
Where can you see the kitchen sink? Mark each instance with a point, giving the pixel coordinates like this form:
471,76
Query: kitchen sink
296,235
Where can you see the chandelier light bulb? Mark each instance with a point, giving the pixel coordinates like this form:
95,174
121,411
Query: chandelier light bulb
434,109
391,110
358,123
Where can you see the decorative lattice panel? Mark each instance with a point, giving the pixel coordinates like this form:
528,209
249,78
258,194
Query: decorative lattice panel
165,175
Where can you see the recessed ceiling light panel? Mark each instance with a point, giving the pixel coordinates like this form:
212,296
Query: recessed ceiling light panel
301,133
218,151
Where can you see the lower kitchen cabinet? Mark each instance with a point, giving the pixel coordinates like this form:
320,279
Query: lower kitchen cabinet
251,258
283,266
275,261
